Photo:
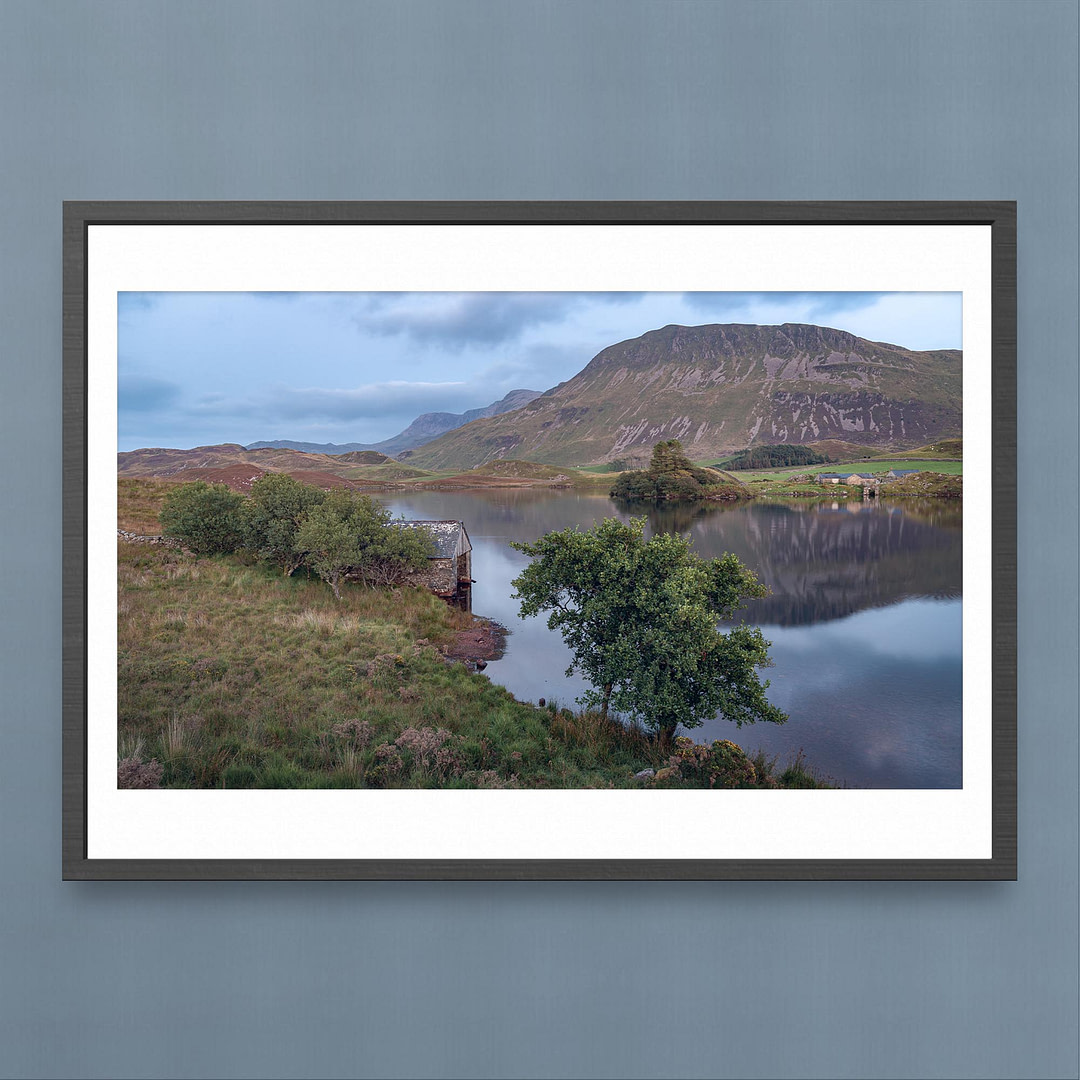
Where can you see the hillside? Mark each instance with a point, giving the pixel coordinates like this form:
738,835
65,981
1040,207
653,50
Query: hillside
721,388
230,463
163,463
364,457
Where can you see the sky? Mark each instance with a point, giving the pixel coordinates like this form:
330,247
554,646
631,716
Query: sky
196,369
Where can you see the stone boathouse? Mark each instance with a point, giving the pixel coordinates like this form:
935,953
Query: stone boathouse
449,570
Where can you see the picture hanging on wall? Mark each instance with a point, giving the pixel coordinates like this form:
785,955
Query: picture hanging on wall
539,540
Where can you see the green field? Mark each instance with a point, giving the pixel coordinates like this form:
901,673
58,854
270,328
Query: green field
874,465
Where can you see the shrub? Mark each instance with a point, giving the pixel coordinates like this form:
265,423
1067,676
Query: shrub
729,767
205,517
272,515
357,732
721,765
351,534
422,743
389,765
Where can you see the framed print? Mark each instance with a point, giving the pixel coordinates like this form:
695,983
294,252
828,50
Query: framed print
539,540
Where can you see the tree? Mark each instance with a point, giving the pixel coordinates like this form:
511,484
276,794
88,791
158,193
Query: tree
276,508
206,517
349,533
390,552
670,475
772,457
330,537
669,459
640,617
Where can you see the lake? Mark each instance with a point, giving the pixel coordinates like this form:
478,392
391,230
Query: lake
864,618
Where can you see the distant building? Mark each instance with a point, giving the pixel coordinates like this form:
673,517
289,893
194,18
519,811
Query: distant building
863,478
449,570
845,478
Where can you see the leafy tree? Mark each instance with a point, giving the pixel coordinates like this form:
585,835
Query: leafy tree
389,552
330,536
206,517
348,533
272,515
670,475
640,617
669,459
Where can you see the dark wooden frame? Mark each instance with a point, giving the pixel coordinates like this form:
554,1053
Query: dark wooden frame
1001,216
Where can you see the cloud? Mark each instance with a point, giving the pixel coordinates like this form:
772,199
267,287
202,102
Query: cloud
136,301
811,305
535,367
145,393
372,401
455,320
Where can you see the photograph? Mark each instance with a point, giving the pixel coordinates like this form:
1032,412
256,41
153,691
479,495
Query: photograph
638,540
539,539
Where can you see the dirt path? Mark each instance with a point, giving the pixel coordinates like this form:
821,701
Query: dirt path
477,644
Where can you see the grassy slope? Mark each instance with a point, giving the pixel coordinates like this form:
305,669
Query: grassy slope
138,504
943,448
218,464
509,472
926,483
232,676
376,474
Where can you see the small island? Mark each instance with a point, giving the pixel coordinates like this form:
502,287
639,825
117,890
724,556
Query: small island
672,475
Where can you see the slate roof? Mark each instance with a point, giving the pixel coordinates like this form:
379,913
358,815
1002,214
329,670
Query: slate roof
904,472
444,533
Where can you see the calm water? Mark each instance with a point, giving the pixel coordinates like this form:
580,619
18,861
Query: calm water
864,619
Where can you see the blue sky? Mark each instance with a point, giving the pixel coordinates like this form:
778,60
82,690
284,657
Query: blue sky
202,368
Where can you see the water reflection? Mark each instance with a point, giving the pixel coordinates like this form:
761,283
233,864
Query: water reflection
874,699
864,617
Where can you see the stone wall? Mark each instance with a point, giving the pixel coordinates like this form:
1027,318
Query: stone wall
438,576
136,538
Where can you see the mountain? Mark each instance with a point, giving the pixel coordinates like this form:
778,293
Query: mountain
422,430
334,449
431,425
720,388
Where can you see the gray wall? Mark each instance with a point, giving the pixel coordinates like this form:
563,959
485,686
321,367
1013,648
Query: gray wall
416,100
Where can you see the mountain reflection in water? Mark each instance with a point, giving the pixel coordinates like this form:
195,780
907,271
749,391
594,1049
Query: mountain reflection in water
864,617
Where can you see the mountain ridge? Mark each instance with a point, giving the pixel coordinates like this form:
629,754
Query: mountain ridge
720,388
423,429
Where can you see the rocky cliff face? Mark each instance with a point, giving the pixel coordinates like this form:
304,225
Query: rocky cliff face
720,388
